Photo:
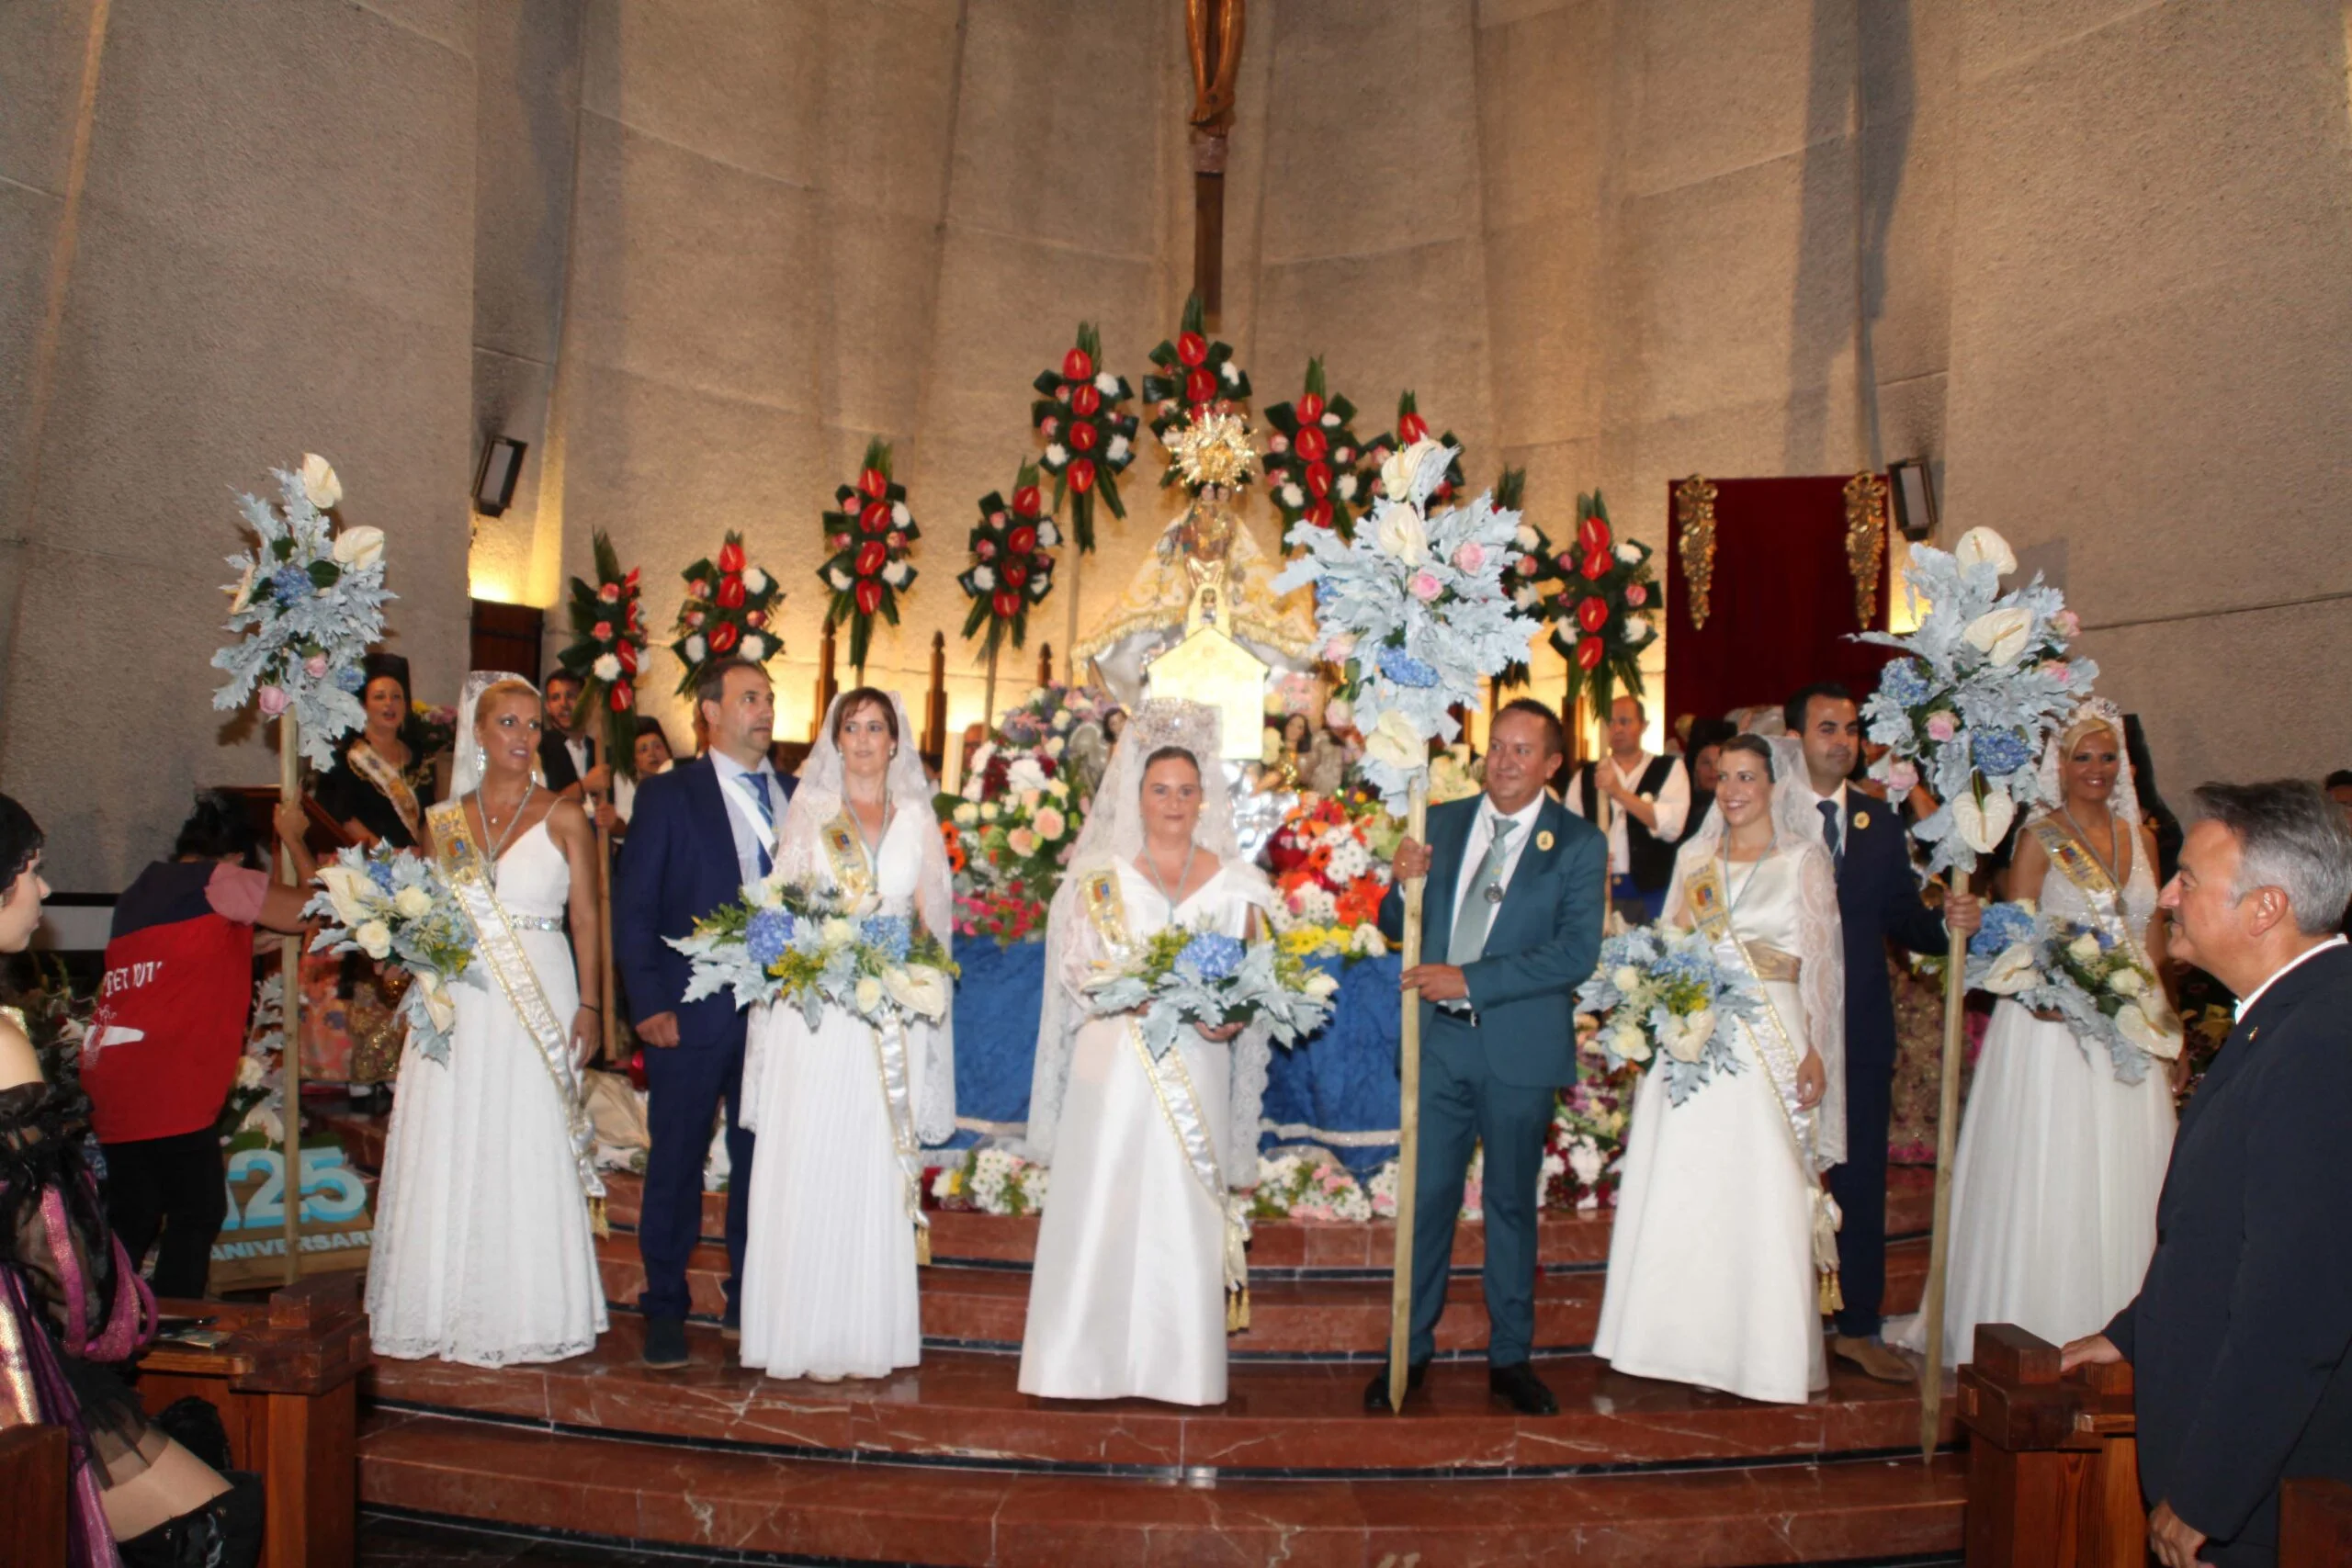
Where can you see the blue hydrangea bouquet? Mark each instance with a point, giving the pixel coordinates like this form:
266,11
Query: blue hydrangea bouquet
1180,976
2077,969
813,949
394,905
1662,994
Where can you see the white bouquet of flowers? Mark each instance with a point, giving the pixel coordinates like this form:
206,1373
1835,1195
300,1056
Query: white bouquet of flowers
393,904
2079,970
1987,680
1179,977
1661,995
313,601
1413,610
814,949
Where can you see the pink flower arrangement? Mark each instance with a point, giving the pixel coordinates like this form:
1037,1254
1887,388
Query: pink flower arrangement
1901,778
1942,726
1471,557
1426,587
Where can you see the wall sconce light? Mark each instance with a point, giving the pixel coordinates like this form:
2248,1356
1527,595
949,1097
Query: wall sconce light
502,465
1914,498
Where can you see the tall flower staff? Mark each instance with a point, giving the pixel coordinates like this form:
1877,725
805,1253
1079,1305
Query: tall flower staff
608,642
1089,440
1313,459
1198,381
1010,569
1987,680
1534,578
1611,603
1411,428
869,530
1413,612
729,611
308,602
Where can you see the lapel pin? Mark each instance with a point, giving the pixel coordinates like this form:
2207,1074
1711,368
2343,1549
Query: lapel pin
1543,840
1861,820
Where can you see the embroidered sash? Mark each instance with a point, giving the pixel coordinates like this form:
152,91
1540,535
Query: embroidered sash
1179,1103
845,857
388,781
1703,891
497,949
2081,868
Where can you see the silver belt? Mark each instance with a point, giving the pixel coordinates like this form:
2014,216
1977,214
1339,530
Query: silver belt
534,923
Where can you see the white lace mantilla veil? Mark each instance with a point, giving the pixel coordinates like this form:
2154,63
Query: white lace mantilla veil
800,857
1114,833
2095,712
1821,976
465,776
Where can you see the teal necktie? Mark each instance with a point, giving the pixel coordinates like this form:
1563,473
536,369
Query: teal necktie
1478,910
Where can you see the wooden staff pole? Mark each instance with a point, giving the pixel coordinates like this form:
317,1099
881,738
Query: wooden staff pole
289,1073
1932,1391
604,926
987,695
1408,1108
1077,565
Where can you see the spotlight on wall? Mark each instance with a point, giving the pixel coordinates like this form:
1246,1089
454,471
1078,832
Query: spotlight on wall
502,465
1915,498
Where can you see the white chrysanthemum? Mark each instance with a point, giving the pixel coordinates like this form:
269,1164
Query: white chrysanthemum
755,582
1106,384
1118,449
983,578
1056,455
897,573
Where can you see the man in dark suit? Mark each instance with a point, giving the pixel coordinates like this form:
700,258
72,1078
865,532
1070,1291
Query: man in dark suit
1878,898
701,831
2237,1338
1513,901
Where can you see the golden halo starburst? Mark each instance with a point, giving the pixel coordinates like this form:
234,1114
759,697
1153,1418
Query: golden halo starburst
1215,449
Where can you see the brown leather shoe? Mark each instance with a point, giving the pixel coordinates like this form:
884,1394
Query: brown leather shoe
1873,1359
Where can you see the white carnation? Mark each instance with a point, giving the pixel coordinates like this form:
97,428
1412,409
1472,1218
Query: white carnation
838,578
1056,455
1117,450
897,573
1346,487
608,668
983,578
1106,384
1629,553
695,648
967,814
755,582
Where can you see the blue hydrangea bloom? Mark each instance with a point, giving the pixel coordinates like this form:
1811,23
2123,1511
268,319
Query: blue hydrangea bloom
1903,683
2001,751
2004,926
350,680
1211,956
380,871
1405,670
892,934
767,935
290,583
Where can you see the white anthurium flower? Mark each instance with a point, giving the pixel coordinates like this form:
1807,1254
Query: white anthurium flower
1118,449
1106,384
695,648
2158,1034
344,888
2012,970
2001,635
359,549
1394,741
1056,455
896,573
411,903
755,582
263,1120
919,988
1400,534
1983,827
319,484
375,938
608,668
1686,1038
439,1005
1981,546
983,579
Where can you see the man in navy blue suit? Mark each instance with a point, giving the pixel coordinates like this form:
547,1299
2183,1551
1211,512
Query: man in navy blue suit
700,831
1878,898
2238,1337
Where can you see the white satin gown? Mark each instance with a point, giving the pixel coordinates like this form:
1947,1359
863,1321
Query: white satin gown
1128,1297
830,1285
1711,1272
483,1251
2060,1163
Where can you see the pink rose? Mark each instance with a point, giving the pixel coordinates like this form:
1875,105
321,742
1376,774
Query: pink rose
1471,557
694,617
315,666
1942,726
603,632
2058,670
610,592
1636,595
1426,587
1901,778
2066,624
273,701
1022,841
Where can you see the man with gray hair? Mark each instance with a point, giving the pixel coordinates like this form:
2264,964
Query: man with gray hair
2237,1338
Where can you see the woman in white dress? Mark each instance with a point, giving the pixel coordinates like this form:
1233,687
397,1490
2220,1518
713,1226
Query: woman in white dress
1725,1243
1140,1255
485,1249
2061,1158
842,1112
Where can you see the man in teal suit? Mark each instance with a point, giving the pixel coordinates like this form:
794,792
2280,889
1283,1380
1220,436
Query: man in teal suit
1513,905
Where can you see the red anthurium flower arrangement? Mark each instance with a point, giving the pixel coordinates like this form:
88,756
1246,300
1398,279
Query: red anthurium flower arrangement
730,613
1197,376
1314,462
1607,608
1412,427
608,643
1012,563
1532,577
1088,441
868,534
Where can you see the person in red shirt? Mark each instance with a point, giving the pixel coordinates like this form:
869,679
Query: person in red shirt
170,1026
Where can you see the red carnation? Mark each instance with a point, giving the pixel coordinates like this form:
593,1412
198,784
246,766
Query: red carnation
1199,386
1027,501
731,593
1310,443
1310,409
1596,564
1318,480
723,636
730,557
871,556
1077,365
874,483
1192,348
1085,400
1592,613
1081,474
869,595
1022,541
623,694
610,592
1588,653
1005,603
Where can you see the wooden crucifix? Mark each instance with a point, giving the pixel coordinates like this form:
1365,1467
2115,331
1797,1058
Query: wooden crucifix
1214,30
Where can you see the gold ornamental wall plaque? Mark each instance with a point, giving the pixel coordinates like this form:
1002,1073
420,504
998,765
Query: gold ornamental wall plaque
1694,509
1865,541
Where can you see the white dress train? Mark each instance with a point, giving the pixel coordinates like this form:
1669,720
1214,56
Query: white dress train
1710,1268
483,1252
830,1285
1128,1295
2060,1163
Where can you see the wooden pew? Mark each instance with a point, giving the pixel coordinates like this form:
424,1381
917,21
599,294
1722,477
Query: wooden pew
2314,1523
2053,1462
285,1383
33,1480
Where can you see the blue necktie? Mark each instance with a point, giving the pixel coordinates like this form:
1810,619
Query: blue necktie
1829,831
758,784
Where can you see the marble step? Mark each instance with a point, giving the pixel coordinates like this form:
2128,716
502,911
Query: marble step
983,1308
1279,1420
